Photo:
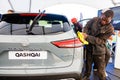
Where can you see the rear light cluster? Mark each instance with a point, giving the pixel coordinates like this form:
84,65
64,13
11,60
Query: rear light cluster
69,43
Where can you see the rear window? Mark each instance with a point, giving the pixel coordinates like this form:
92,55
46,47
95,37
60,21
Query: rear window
19,24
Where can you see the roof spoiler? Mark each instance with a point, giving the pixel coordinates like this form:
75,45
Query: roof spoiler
0,17
16,18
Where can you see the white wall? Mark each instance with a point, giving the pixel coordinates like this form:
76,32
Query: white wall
73,10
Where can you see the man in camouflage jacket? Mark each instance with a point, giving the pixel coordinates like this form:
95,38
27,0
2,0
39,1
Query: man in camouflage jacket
96,32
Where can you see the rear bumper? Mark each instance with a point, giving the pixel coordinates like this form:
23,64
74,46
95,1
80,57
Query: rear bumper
73,71
43,77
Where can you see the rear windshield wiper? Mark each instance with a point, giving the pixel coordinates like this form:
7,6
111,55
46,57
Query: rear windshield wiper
38,17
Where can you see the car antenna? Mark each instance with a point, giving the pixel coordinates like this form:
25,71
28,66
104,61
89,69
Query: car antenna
11,5
38,17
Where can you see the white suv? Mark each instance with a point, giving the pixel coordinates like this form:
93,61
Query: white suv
39,46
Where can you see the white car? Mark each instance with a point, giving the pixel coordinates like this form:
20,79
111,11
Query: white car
39,46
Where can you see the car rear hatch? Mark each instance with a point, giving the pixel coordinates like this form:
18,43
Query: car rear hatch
49,50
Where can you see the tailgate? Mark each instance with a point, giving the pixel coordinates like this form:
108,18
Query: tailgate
34,51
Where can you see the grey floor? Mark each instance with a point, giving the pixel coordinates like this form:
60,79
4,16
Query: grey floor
113,73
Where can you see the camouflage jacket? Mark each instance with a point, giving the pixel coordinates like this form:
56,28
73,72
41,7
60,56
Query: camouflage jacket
97,36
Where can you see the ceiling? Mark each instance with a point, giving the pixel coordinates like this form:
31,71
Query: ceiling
31,5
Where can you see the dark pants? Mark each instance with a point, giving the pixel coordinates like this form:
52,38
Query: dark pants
107,57
99,61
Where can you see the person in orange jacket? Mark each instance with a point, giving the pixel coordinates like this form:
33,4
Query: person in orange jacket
77,25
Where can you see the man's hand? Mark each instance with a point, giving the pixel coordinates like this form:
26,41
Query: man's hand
85,35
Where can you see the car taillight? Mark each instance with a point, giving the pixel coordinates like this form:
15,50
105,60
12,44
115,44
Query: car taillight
69,43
